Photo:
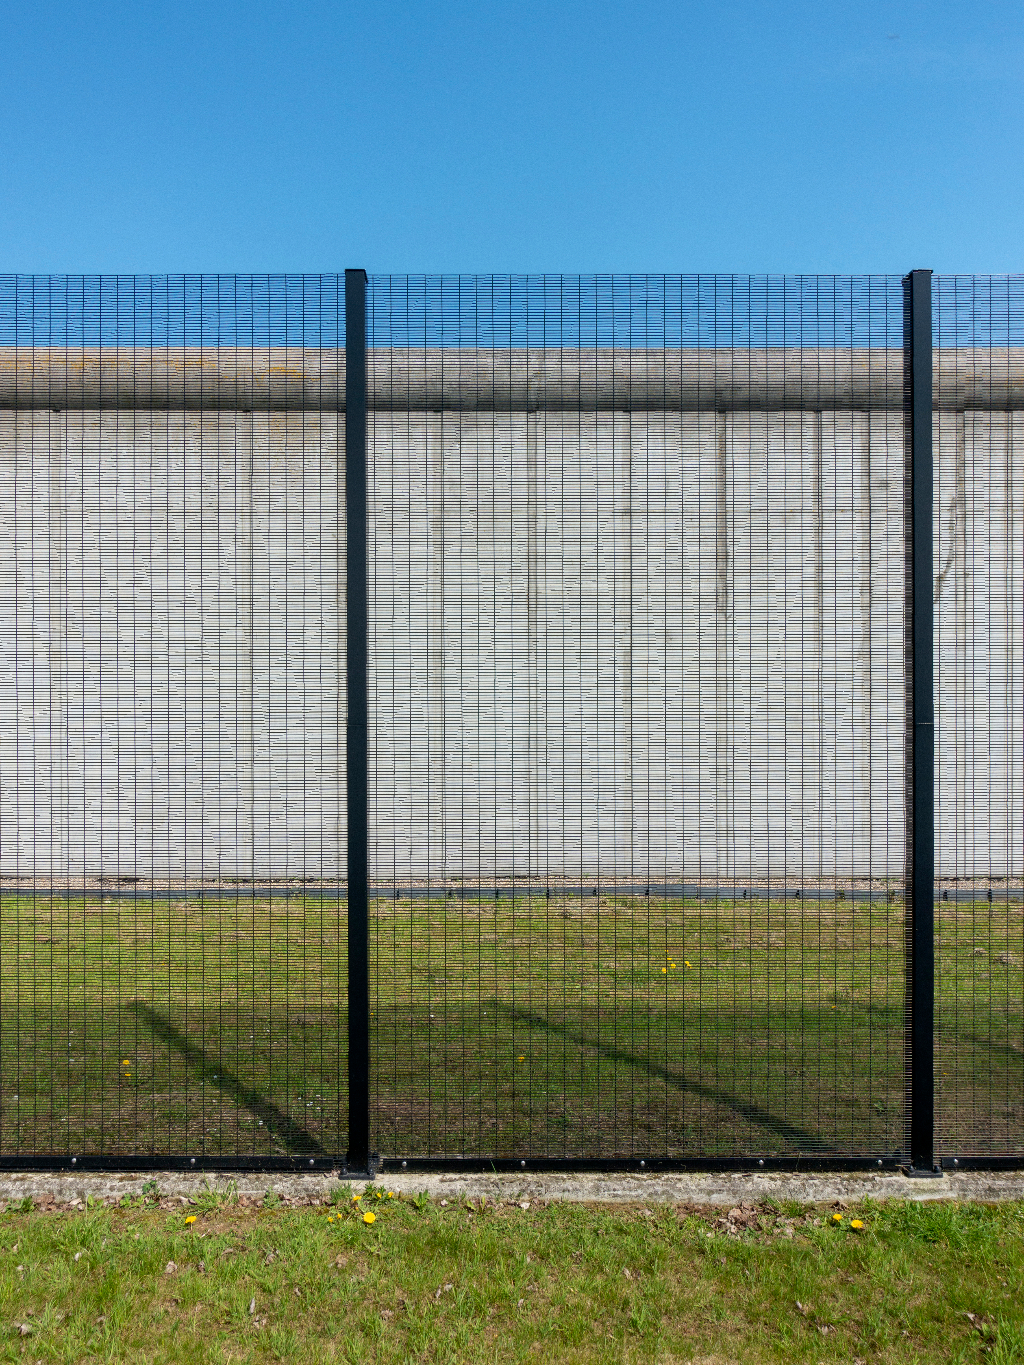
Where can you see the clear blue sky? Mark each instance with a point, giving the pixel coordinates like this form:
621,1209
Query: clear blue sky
472,136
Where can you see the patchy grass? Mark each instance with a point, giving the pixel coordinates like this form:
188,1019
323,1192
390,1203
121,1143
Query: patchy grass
571,1283
620,1026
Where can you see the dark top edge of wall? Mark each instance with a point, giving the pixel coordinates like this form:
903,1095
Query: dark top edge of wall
509,380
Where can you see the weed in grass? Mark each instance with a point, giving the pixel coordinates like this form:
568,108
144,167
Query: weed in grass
641,1318
210,1197
1008,1347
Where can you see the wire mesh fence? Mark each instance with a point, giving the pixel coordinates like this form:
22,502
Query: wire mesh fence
637,635
979,596
172,758
637,625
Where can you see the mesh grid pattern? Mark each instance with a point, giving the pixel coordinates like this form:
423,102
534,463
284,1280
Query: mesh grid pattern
637,699
638,696
979,652
171,761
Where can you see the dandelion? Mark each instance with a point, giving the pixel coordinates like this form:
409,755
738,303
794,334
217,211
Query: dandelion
664,971
190,1219
391,1194
379,1194
369,1218
126,1062
837,1218
856,1224
330,1218
671,964
356,1198
688,964
520,1059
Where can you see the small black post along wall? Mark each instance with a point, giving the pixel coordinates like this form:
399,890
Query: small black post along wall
357,726
920,787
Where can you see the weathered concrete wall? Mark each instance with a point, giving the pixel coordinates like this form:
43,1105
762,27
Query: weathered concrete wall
979,566
651,644
502,379
171,584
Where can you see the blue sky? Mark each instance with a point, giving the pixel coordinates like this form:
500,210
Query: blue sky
799,136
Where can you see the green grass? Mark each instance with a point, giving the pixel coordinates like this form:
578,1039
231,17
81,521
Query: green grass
566,1283
564,1026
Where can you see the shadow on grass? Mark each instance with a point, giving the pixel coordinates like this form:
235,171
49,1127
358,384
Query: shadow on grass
992,1049
279,1125
801,1138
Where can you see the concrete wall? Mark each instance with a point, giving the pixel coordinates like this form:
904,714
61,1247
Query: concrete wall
643,643
979,559
171,584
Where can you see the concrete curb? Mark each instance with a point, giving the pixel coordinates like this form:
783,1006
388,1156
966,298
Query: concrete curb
702,1189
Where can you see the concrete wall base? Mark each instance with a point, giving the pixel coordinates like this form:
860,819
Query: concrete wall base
702,1188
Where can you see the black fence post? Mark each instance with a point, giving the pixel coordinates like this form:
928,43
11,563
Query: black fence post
356,762
920,791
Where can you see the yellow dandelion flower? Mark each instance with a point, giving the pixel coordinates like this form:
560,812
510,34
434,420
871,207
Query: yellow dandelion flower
671,964
391,1194
331,1218
664,971
126,1062
191,1218
689,964
369,1218
520,1059
379,1194
837,1218
856,1224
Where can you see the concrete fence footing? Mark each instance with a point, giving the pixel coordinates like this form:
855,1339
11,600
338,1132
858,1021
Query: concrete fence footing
726,1189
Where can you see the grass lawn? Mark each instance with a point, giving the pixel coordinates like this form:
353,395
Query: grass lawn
502,1283
619,1026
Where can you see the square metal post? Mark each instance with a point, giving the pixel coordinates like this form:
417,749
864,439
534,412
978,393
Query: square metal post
356,761
920,787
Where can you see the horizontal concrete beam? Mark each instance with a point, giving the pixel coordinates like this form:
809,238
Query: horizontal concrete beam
469,380
723,1189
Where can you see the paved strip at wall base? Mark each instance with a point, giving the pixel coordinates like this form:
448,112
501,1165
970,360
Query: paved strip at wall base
704,1188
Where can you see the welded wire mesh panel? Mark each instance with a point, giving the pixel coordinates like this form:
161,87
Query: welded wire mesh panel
979,596
171,717
638,716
